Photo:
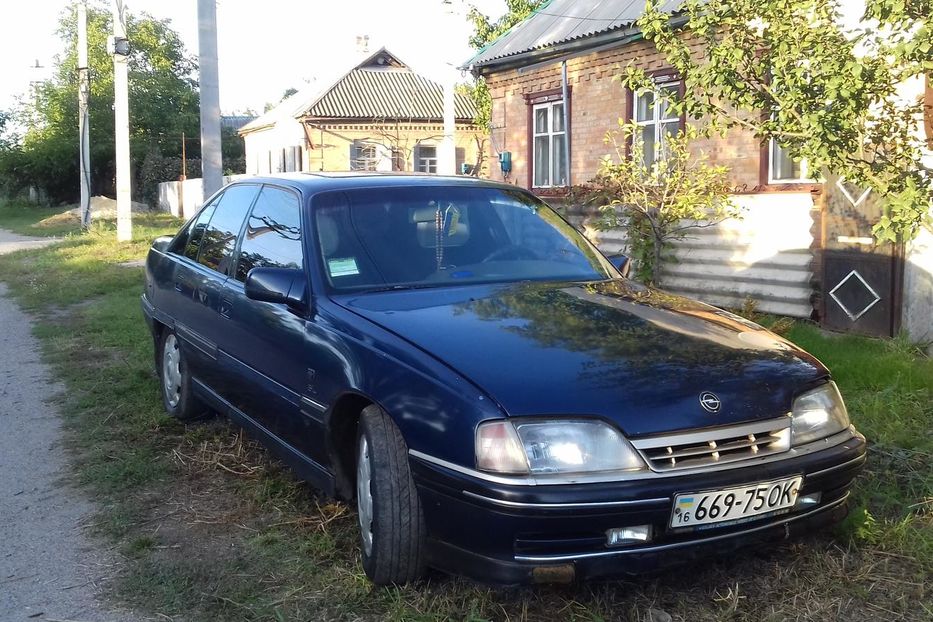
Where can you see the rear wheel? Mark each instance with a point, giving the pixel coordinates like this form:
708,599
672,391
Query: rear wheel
388,508
177,398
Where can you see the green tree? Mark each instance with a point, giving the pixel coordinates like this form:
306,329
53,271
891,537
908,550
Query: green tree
787,69
485,31
163,104
7,139
659,200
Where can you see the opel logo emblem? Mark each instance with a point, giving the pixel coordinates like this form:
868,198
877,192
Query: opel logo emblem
710,402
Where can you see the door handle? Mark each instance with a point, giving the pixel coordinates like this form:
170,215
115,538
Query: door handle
179,287
226,306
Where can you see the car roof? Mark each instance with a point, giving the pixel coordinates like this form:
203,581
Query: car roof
311,183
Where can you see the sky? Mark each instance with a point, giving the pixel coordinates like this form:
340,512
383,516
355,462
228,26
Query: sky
264,47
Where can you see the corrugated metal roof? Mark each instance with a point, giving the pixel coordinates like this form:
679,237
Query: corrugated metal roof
381,86
390,92
235,121
563,21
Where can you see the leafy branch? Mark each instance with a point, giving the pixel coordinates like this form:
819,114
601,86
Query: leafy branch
787,70
658,202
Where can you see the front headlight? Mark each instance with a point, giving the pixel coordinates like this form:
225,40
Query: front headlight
543,447
817,414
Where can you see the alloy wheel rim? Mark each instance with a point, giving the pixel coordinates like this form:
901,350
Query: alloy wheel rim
171,371
364,496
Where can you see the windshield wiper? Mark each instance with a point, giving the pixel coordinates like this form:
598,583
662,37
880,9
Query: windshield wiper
402,286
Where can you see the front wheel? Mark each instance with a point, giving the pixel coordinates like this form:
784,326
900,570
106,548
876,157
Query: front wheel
177,397
389,510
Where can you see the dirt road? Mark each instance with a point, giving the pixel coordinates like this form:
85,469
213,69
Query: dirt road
49,568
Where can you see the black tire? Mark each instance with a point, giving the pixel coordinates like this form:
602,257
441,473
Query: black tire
396,550
178,399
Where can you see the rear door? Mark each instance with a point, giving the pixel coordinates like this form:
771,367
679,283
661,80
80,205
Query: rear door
179,295
215,260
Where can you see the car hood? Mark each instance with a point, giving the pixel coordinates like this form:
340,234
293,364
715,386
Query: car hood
636,356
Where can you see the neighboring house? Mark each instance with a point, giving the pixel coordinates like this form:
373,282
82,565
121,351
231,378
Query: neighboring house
235,121
378,116
554,97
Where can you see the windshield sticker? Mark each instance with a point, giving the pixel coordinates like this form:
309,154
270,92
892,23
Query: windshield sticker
342,266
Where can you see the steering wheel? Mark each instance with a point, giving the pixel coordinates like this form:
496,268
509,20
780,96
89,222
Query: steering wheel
518,252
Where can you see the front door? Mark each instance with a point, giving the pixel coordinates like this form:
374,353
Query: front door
270,346
862,280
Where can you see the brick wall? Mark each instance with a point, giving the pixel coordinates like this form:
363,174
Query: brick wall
597,102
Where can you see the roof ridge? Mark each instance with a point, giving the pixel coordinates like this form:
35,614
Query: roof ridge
560,24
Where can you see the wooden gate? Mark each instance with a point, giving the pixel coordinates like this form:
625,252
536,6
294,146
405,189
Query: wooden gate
862,281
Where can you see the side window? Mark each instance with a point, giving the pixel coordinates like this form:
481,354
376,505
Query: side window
220,236
196,231
273,233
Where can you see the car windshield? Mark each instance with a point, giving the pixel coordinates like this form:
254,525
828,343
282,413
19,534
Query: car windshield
396,238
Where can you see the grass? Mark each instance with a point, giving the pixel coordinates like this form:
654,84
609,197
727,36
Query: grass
211,528
27,219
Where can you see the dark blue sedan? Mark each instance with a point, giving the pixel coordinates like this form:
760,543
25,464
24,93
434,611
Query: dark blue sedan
496,396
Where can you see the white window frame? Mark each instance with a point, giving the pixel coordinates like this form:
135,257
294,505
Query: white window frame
660,136
426,165
552,136
365,163
804,178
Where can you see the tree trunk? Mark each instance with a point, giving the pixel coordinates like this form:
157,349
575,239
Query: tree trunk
656,268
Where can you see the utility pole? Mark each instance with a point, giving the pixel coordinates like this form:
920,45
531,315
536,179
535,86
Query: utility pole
211,165
84,148
184,159
120,50
447,158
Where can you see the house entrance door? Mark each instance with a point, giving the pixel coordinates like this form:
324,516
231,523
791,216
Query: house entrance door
862,280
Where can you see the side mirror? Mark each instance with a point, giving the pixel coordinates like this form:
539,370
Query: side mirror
279,285
162,243
622,263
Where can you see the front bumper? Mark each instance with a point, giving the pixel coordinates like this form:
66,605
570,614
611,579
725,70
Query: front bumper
502,533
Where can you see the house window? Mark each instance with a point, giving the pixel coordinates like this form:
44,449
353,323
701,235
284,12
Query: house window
365,157
398,159
783,168
426,159
656,121
549,154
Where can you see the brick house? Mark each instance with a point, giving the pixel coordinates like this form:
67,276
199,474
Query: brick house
379,115
553,100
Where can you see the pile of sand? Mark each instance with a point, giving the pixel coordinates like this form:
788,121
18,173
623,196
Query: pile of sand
105,207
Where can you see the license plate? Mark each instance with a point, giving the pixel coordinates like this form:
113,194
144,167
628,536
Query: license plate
692,509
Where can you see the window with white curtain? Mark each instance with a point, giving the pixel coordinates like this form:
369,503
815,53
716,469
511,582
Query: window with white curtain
784,169
549,154
656,121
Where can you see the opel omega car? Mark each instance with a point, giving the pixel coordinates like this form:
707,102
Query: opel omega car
493,392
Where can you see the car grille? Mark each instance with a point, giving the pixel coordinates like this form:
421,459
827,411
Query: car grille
690,450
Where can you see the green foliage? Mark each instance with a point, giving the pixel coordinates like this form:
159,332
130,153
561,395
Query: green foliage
786,69
163,105
485,31
860,525
7,140
660,202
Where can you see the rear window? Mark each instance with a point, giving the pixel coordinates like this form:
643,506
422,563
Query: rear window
219,241
188,239
431,236
192,242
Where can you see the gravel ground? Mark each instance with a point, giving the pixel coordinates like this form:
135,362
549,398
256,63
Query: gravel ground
49,568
